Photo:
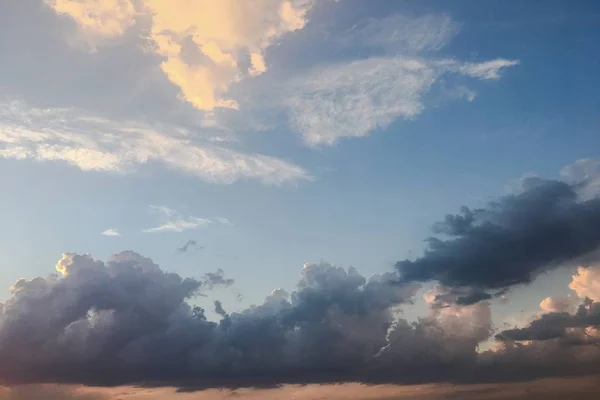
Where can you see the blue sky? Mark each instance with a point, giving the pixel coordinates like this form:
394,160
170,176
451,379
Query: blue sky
358,125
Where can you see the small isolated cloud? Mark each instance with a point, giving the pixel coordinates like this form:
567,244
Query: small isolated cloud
111,232
190,245
173,221
224,221
92,143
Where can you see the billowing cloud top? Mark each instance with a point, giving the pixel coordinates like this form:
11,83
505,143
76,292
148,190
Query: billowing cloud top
206,45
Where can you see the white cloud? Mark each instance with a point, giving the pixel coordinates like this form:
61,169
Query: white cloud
93,143
224,221
353,99
111,232
206,45
173,221
488,69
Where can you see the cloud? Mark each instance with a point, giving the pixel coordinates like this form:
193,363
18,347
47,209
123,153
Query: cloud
206,46
224,221
352,99
111,232
488,69
173,221
563,318
126,321
190,244
483,249
216,279
92,143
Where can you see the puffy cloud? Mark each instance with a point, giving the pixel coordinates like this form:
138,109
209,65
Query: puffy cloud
586,283
206,46
562,318
558,305
105,18
93,143
515,238
127,321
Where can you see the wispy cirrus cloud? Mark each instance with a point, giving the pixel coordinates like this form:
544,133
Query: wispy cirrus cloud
173,221
224,221
352,99
111,232
93,143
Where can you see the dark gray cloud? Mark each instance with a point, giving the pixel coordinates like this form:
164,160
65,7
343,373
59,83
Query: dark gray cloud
188,246
555,325
511,241
219,309
128,322
213,279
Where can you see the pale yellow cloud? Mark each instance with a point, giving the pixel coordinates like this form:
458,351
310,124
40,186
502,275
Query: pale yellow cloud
586,283
231,35
105,18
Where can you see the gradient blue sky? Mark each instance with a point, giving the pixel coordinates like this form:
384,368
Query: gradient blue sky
451,101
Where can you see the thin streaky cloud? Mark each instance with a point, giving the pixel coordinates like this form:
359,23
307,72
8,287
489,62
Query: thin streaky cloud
111,232
174,221
180,225
224,221
92,143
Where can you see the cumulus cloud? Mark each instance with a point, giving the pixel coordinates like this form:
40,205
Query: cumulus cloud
563,318
111,232
512,240
206,46
92,143
127,321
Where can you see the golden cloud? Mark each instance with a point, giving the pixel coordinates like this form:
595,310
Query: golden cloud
230,37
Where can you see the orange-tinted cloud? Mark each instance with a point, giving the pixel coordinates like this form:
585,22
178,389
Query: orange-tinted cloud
230,37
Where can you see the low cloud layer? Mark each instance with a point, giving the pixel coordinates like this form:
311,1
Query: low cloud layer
128,322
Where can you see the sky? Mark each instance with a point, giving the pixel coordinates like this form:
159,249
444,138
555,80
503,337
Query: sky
291,192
